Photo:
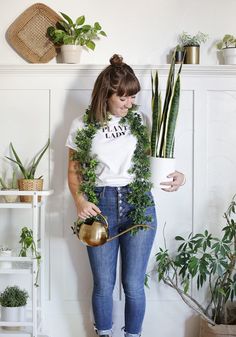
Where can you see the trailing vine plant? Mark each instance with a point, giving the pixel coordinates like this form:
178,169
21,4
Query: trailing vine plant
140,164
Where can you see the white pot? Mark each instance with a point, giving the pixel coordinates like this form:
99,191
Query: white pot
11,198
160,169
229,55
13,314
71,53
5,264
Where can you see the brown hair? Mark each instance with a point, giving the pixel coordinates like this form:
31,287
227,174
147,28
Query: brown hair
117,78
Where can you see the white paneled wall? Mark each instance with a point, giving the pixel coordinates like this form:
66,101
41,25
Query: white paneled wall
38,101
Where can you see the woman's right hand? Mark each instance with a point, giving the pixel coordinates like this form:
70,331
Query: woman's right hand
86,209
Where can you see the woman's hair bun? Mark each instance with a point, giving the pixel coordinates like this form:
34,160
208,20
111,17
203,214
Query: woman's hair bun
116,60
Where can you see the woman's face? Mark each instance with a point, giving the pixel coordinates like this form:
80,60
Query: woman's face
119,105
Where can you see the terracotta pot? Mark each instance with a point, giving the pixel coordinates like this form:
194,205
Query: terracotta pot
30,185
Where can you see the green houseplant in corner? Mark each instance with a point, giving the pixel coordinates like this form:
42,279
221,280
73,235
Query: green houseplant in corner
13,301
29,182
209,262
73,36
164,119
228,46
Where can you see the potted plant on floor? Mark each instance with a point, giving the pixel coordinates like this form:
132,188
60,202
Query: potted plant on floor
29,182
164,121
209,262
28,244
191,44
73,36
13,301
9,185
228,46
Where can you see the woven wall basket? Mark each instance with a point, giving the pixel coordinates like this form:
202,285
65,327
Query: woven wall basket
30,185
28,34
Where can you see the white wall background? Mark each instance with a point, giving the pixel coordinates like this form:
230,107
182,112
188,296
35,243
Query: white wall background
142,31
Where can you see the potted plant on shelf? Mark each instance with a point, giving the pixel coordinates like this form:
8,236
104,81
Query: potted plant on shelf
228,46
13,301
28,244
5,252
9,185
164,121
179,54
73,36
209,262
191,44
29,182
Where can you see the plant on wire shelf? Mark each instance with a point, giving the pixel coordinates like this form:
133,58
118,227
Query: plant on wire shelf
28,172
164,119
210,262
13,297
27,243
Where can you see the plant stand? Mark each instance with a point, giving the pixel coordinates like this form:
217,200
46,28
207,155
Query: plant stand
219,330
34,325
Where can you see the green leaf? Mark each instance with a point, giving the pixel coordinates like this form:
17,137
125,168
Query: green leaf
102,33
97,26
90,45
67,18
80,20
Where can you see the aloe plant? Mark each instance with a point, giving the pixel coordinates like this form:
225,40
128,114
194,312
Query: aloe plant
28,172
164,120
11,184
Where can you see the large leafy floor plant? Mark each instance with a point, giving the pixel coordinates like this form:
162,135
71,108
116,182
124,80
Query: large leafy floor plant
210,262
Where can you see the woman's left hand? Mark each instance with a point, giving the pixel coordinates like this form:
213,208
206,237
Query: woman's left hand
178,180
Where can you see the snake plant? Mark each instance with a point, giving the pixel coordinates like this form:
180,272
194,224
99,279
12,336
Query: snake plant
28,172
164,120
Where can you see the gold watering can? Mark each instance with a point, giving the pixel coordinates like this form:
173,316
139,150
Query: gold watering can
94,231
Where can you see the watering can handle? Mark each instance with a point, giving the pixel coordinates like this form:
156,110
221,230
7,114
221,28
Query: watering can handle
127,230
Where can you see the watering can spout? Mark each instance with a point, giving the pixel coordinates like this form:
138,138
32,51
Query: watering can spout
95,231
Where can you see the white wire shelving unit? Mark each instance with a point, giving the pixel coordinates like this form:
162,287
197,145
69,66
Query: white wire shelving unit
33,326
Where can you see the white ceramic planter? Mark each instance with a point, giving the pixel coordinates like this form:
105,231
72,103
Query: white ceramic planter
160,169
13,314
71,53
11,198
229,55
5,264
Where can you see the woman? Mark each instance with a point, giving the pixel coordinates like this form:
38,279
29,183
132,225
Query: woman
109,166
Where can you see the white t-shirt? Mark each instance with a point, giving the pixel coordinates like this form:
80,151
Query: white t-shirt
114,147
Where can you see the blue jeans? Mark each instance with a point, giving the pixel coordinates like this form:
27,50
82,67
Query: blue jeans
135,251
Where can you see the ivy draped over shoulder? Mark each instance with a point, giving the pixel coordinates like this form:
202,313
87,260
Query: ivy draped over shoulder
140,164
